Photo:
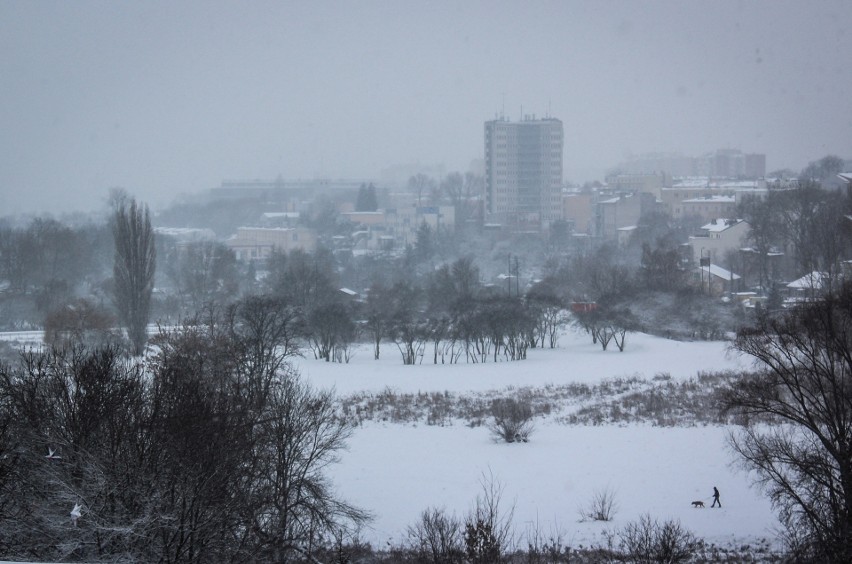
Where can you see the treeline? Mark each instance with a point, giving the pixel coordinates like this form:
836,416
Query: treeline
446,316
46,264
61,278
49,271
428,310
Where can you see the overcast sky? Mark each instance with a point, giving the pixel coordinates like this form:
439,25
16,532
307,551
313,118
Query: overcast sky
165,98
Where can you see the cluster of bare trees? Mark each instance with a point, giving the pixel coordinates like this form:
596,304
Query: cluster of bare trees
451,316
607,323
62,271
44,264
198,273
214,450
795,232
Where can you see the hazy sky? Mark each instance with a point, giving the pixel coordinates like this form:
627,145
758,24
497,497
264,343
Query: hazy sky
165,98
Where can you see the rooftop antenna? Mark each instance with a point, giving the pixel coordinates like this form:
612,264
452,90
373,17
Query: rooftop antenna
503,107
548,108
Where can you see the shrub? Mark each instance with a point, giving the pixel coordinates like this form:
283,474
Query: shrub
82,322
487,530
512,420
544,548
602,507
436,538
647,541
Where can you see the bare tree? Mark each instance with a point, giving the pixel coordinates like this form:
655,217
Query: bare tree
421,184
548,314
436,537
812,221
805,384
408,327
133,270
329,328
202,272
268,328
764,233
296,506
488,528
378,316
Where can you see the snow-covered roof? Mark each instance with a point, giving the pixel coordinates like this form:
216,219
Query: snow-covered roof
267,229
349,292
690,183
278,215
186,233
627,228
712,200
719,272
704,182
720,224
811,281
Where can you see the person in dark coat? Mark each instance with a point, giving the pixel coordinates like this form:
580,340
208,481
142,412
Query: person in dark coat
716,497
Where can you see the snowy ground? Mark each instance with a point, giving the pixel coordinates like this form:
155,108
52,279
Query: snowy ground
397,471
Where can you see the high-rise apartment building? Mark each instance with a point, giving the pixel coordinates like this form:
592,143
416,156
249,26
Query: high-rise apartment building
523,171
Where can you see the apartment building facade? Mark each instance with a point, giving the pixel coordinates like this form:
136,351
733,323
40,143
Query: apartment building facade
523,171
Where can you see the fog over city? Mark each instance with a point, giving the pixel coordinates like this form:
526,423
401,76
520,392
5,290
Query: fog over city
165,98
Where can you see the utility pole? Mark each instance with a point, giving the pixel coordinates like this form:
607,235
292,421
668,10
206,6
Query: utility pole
517,278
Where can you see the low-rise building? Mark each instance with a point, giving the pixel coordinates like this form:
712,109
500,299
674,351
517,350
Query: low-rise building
578,209
615,212
807,287
258,243
394,228
693,189
710,207
719,238
715,280
650,183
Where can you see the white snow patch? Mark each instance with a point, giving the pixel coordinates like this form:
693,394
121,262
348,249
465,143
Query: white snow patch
397,471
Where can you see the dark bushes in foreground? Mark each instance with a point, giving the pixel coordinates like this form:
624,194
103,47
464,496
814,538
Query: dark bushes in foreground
215,451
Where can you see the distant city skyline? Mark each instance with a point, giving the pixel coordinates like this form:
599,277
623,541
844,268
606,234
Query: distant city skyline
165,98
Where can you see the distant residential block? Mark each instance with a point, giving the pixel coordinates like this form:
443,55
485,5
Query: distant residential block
258,243
523,171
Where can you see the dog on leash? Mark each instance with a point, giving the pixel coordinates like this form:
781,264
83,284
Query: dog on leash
697,504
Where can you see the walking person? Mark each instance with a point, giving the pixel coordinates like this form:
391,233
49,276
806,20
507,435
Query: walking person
716,498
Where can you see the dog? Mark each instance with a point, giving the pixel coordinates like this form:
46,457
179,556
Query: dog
697,504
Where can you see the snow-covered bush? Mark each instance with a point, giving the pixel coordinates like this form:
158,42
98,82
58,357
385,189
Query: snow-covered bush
512,419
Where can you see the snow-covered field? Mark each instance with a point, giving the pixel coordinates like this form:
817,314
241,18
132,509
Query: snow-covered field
398,470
